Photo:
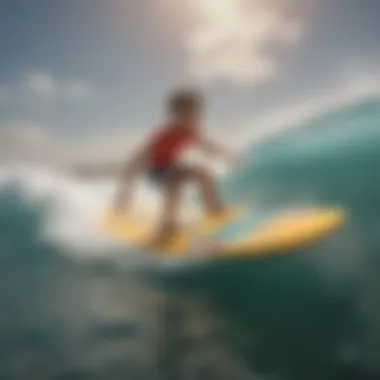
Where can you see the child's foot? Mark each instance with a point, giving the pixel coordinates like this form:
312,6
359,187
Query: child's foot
218,212
166,232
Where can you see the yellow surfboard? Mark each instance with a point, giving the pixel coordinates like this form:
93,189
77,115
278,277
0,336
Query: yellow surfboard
242,233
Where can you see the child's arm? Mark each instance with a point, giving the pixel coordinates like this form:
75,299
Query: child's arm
131,170
214,148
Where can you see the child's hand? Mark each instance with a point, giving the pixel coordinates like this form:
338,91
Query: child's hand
232,159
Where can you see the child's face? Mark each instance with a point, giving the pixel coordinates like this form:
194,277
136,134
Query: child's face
188,115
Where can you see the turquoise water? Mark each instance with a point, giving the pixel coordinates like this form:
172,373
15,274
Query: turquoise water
313,314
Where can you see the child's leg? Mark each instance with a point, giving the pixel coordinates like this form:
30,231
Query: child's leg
204,179
171,207
172,196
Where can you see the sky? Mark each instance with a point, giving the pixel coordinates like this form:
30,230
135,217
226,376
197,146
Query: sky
85,80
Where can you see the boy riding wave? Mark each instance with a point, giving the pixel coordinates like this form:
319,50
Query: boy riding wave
158,159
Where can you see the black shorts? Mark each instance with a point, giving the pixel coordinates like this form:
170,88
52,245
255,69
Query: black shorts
159,176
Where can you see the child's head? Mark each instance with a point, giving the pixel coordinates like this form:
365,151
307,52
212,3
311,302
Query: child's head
185,105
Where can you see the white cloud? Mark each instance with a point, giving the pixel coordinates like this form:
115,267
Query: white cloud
40,84
107,147
22,141
234,39
76,90
47,87
31,142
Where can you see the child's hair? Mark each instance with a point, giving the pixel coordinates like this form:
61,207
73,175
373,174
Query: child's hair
184,99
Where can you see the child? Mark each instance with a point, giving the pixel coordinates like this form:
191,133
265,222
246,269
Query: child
158,158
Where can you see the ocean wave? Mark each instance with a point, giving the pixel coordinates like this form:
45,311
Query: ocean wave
73,305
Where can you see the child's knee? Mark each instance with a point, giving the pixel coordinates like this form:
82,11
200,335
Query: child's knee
202,175
172,188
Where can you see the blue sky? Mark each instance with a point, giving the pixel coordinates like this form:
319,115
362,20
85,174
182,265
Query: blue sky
88,69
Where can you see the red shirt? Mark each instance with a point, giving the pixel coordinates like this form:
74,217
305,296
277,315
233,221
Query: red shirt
168,143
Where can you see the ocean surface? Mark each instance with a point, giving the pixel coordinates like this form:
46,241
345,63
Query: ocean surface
75,304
